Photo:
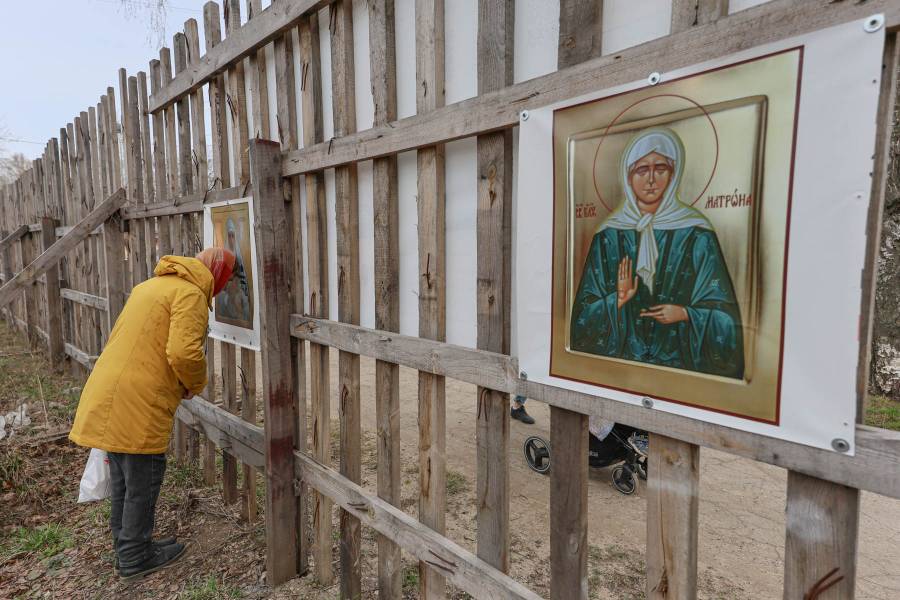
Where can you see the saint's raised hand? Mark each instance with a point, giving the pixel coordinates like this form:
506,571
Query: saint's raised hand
626,283
666,313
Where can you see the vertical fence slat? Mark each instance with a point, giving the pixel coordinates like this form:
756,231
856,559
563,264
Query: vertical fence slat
172,243
494,218
259,82
52,298
228,359
212,29
160,171
673,494
822,522
568,505
347,229
29,253
116,162
212,25
147,225
237,107
272,222
386,209
68,264
248,413
98,327
184,231
165,69
114,254
688,13
432,284
198,116
102,143
579,39
317,270
209,447
184,223
195,164
138,232
580,27
237,101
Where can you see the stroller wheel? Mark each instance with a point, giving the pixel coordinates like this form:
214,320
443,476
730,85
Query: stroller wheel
537,454
623,480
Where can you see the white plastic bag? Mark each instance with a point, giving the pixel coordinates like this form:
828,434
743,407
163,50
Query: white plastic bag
95,482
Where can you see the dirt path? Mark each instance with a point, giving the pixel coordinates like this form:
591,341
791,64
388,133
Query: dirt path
51,547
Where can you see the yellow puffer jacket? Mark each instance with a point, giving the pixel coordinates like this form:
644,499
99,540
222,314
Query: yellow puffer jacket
154,353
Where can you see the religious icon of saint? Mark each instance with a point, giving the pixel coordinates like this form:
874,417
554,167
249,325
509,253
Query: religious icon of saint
655,287
234,302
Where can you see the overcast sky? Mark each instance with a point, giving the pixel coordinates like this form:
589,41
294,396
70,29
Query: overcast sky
59,56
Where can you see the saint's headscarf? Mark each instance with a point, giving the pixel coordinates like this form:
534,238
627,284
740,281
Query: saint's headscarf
220,263
672,212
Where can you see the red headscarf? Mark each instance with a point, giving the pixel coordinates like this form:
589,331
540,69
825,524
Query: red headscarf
220,263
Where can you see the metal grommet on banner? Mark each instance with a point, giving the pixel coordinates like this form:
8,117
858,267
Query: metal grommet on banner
840,445
654,78
524,115
873,23
647,402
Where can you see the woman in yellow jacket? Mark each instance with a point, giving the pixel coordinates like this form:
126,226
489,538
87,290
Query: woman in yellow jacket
153,359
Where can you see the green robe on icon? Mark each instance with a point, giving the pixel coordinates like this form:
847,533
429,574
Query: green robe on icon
690,272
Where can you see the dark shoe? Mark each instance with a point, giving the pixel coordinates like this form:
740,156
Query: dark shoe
167,541
519,414
163,557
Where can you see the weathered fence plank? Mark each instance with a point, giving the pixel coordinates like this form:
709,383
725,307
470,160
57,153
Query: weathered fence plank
317,269
248,413
432,285
579,36
673,499
690,13
494,292
276,302
228,366
822,522
347,230
386,209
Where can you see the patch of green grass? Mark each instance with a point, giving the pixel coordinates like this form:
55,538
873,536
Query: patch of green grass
98,513
456,483
883,412
16,477
210,589
184,475
46,540
410,578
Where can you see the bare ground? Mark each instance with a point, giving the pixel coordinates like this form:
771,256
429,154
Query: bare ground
51,547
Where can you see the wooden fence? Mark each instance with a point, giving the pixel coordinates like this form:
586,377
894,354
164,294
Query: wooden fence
155,147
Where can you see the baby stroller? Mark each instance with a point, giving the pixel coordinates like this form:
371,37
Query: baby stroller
623,447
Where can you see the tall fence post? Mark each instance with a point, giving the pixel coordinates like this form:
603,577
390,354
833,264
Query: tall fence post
275,302
53,299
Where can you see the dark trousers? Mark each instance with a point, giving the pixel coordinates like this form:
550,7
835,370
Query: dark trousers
135,479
